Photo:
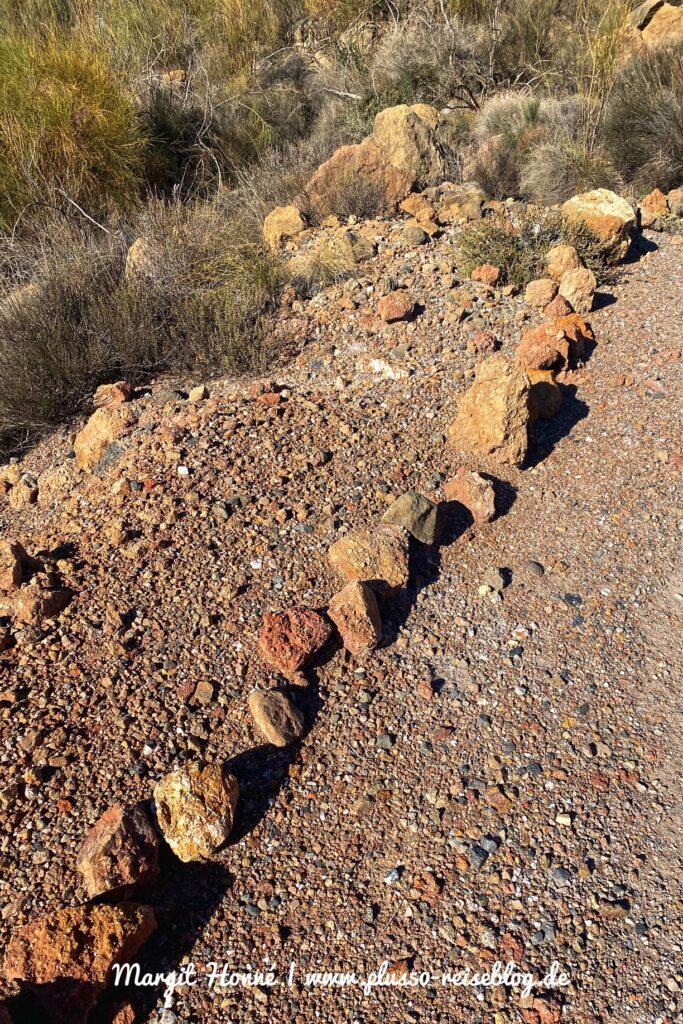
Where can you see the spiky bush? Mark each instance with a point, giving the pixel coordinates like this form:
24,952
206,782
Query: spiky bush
66,124
644,119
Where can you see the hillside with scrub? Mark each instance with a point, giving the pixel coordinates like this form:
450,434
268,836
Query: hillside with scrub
340,511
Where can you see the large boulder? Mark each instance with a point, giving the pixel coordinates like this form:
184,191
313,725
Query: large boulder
120,851
608,216
104,426
406,135
195,808
358,178
493,416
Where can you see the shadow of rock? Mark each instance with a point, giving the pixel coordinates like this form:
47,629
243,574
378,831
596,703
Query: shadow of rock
545,434
601,300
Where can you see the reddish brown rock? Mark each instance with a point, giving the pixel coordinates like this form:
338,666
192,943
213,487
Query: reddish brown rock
474,492
555,345
79,944
120,851
35,602
356,615
276,717
484,343
557,308
378,557
652,208
112,394
25,492
487,274
493,415
396,306
288,640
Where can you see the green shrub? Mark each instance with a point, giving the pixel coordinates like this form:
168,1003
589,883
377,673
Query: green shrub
644,119
519,249
65,122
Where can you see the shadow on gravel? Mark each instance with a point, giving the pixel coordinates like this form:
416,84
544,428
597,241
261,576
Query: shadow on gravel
640,247
545,434
602,300
425,565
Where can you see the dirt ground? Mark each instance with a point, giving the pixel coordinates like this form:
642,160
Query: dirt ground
375,839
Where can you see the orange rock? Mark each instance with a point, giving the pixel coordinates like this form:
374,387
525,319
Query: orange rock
487,274
104,426
607,215
493,416
474,492
358,171
121,850
396,305
112,394
13,561
554,345
653,207
378,557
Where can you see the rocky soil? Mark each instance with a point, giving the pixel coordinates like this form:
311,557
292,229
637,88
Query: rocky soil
499,780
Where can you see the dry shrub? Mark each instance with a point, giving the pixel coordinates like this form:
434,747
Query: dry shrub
644,119
519,249
81,323
561,168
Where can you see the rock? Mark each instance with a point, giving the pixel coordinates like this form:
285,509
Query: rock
674,201
282,223
462,203
377,556
607,215
120,851
276,716
13,561
356,615
406,136
493,415
483,343
10,475
643,12
540,293
25,492
289,639
560,259
416,514
395,306
557,308
473,491
417,206
652,208
112,394
195,808
487,274
34,603
555,345
198,393
665,27
140,262
578,288
413,235
104,426
545,396
73,951
355,173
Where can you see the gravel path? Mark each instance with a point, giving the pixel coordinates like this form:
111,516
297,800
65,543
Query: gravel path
501,782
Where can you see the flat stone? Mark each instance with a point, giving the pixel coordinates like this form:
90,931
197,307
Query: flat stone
416,514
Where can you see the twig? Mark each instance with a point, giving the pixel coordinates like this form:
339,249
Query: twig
81,210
